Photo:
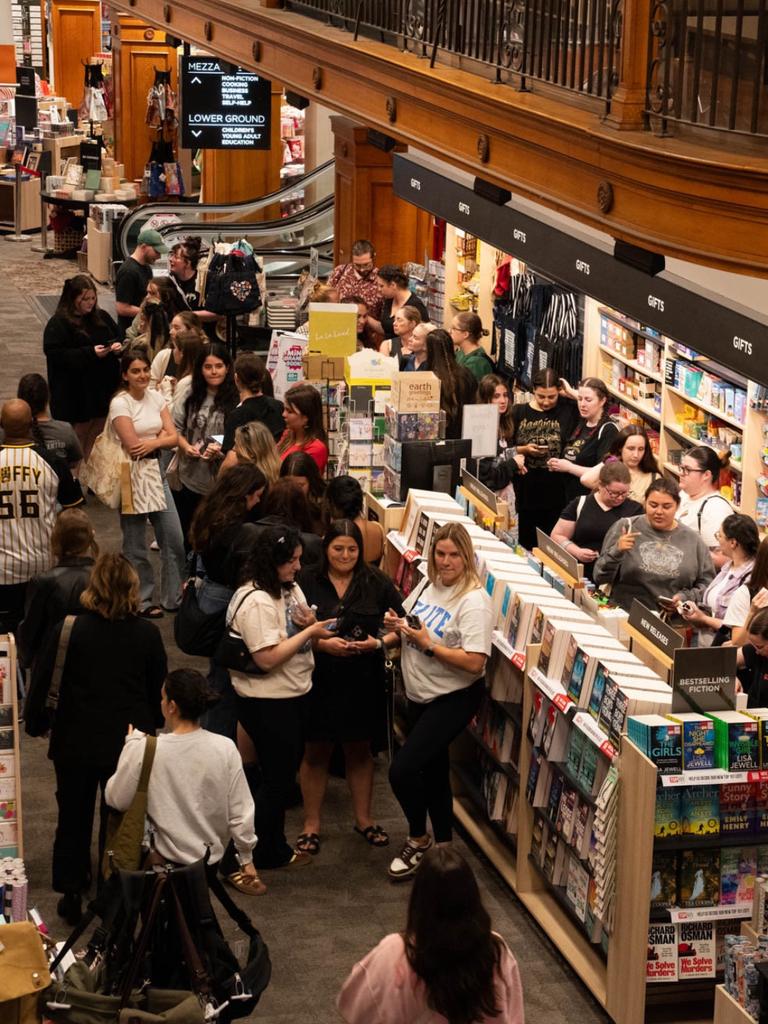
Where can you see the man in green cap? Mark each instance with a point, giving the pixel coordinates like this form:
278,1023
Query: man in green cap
134,276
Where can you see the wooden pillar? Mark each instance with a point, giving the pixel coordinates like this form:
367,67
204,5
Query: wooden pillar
233,175
76,34
628,101
137,50
366,206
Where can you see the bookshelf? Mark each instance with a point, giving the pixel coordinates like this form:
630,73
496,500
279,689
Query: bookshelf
11,832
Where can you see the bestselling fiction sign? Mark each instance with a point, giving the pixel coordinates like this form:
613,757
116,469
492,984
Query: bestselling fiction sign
704,679
223,106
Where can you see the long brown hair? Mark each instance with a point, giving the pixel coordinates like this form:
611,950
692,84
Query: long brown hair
225,504
486,391
441,360
72,290
448,939
307,400
113,589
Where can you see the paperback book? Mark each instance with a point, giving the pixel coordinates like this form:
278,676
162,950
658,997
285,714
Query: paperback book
701,810
696,950
699,878
698,740
661,963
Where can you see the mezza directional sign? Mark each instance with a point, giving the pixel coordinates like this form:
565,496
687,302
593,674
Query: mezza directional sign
223,106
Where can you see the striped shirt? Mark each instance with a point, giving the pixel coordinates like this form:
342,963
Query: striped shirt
30,488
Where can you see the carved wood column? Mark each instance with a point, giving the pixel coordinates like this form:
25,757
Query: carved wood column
628,101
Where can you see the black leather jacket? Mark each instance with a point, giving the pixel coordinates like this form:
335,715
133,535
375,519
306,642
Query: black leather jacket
51,596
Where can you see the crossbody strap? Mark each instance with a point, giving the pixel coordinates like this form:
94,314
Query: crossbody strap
146,764
52,700
240,603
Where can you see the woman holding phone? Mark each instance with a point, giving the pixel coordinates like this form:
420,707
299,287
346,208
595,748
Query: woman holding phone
346,702
589,441
653,557
446,640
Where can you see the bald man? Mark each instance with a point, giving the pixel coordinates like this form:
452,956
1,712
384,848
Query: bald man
32,483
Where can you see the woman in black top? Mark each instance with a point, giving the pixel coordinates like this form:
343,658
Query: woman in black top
81,351
222,535
498,472
113,671
752,661
590,439
393,286
584,522
540,426
346,702
457,385
250,377
56,593
286,504
302,469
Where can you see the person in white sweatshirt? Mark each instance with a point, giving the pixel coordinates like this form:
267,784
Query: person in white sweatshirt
197,796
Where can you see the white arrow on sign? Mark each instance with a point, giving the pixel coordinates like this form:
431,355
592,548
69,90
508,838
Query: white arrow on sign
197,134
196,81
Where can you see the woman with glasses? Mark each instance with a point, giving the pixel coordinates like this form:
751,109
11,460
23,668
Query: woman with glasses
654,556
738,539
702,507
633,448
584,522
182,265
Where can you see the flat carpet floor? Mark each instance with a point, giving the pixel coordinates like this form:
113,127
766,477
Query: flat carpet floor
317,920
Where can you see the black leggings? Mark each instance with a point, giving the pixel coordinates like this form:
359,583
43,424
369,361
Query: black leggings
419,773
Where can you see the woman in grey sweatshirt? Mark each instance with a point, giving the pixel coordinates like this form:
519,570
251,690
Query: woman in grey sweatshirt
652,555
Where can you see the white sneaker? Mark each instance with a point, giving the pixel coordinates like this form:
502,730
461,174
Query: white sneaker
154,546
407,863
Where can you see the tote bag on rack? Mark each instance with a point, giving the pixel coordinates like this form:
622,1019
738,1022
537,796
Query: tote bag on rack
232,286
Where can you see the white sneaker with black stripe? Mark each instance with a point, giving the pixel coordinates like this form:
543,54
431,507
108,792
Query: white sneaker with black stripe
407,864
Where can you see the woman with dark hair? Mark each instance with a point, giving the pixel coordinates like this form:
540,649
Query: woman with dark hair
654,556
447,966
498,472
584,522
151,326
54,594
540,428
589,441
346,703
286,504
750,597
96,706
344,500
753,659
632,447
81,349
143,424
198,419
467,332
396,294
302,468
198,798
304,429
271,615
405,322
739,541
457,385
171,372
183,259
250,378
56,436
702,506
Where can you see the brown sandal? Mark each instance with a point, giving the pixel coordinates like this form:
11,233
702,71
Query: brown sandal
246,883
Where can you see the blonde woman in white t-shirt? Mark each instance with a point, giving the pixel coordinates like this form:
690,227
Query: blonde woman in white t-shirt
143,424
271,614
443,661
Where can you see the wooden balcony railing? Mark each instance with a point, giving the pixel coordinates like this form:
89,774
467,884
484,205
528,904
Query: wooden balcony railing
707,65
572,44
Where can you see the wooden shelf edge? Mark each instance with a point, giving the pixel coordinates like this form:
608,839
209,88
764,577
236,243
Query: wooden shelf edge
728,1010
501,856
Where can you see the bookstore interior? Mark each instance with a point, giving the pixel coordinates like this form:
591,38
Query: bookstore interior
613,775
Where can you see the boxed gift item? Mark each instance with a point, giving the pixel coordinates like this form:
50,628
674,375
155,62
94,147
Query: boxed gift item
412,426
415,392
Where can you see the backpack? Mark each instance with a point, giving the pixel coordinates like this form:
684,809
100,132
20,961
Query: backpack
231,285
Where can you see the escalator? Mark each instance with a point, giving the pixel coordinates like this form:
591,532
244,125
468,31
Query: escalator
282,245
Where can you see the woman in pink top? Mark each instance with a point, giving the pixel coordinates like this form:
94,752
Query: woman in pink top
304,430
448,967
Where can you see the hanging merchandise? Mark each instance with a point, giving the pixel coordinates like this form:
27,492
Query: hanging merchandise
511,307
232,285
162,173
560,328
161,102
94,104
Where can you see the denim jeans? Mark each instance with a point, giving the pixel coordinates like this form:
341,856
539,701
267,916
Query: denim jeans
222,717
172,558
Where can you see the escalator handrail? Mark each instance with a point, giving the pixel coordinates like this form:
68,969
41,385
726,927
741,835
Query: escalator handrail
150,209
240,230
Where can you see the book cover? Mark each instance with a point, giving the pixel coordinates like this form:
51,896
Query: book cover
576,743
664,879
701,810
588,768
760,794
667,821
566,813
582,828
699,878
736,741
747,871
762,860
548,732
569,661
729,875
696,953
737,809
576,887
533,775
661,962
605,714
550,856
598,688
538,837
575,684
553,799
665,747
618,718
698,741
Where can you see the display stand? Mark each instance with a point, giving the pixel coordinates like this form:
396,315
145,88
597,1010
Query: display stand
17,235
11,830
728,1010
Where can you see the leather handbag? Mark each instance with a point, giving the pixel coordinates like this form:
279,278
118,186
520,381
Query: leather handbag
24,973
125,829
232,652
197,632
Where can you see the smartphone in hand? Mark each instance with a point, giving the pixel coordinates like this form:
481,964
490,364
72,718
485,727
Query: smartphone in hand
413,621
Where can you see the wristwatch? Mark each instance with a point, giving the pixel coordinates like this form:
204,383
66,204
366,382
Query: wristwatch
430,651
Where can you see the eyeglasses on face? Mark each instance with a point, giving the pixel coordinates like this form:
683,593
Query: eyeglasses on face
685,470
616,495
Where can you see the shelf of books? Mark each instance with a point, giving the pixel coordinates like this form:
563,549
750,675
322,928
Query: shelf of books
11,841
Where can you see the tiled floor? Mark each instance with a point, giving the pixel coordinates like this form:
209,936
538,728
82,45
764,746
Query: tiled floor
317,920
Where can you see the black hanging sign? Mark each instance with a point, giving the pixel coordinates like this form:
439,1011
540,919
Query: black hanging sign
728,334
223,106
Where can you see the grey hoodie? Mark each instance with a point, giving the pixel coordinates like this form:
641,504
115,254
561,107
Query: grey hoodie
661,564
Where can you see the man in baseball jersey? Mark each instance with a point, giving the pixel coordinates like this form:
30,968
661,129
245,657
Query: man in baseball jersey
32,482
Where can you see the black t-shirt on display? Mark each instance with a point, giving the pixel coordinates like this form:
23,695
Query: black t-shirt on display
594,522
539,488
586,446
131,287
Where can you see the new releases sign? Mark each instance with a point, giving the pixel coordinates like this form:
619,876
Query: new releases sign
223,106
